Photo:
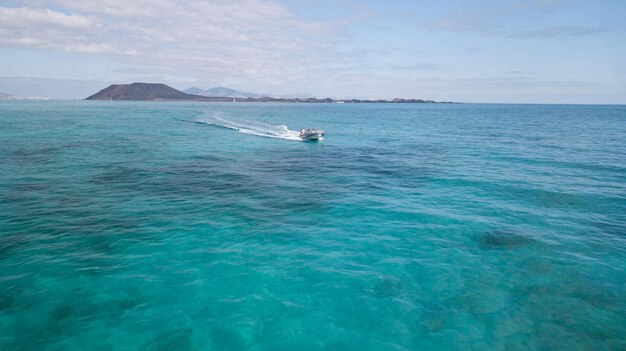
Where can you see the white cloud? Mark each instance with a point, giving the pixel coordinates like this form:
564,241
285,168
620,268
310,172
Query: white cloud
24,18
192,39
44,28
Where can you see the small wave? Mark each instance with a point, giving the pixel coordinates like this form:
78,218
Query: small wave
264,129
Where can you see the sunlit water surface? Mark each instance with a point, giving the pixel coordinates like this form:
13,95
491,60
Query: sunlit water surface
208,226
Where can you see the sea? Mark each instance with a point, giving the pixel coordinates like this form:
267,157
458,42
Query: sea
212,226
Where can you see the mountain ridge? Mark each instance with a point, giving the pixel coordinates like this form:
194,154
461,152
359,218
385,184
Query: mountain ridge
233,93
159,91
222,92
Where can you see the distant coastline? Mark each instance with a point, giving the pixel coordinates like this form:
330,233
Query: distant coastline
162,92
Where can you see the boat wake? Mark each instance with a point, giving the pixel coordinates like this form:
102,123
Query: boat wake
263,129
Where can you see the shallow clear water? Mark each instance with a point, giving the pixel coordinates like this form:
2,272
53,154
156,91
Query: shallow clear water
180,226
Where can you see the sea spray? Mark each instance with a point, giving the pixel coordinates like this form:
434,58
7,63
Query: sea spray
263,129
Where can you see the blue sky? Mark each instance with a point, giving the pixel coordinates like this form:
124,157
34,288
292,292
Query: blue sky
529,51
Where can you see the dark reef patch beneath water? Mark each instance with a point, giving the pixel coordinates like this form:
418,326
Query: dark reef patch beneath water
502,240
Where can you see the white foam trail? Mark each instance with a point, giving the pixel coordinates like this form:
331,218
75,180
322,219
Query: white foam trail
279,131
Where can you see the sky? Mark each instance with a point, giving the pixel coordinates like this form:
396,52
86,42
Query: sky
518,51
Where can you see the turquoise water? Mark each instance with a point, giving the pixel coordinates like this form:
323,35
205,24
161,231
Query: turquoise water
204,226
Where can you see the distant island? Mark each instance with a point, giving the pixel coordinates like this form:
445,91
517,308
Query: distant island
157,91
141,92
5,96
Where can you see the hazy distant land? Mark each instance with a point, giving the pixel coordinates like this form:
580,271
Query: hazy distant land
157,91
232,93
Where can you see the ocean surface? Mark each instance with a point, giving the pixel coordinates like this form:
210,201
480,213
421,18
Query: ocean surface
209,226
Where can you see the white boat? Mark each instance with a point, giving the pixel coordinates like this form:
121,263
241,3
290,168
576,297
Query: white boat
311,134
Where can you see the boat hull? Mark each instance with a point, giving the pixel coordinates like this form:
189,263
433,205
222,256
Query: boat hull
311,136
